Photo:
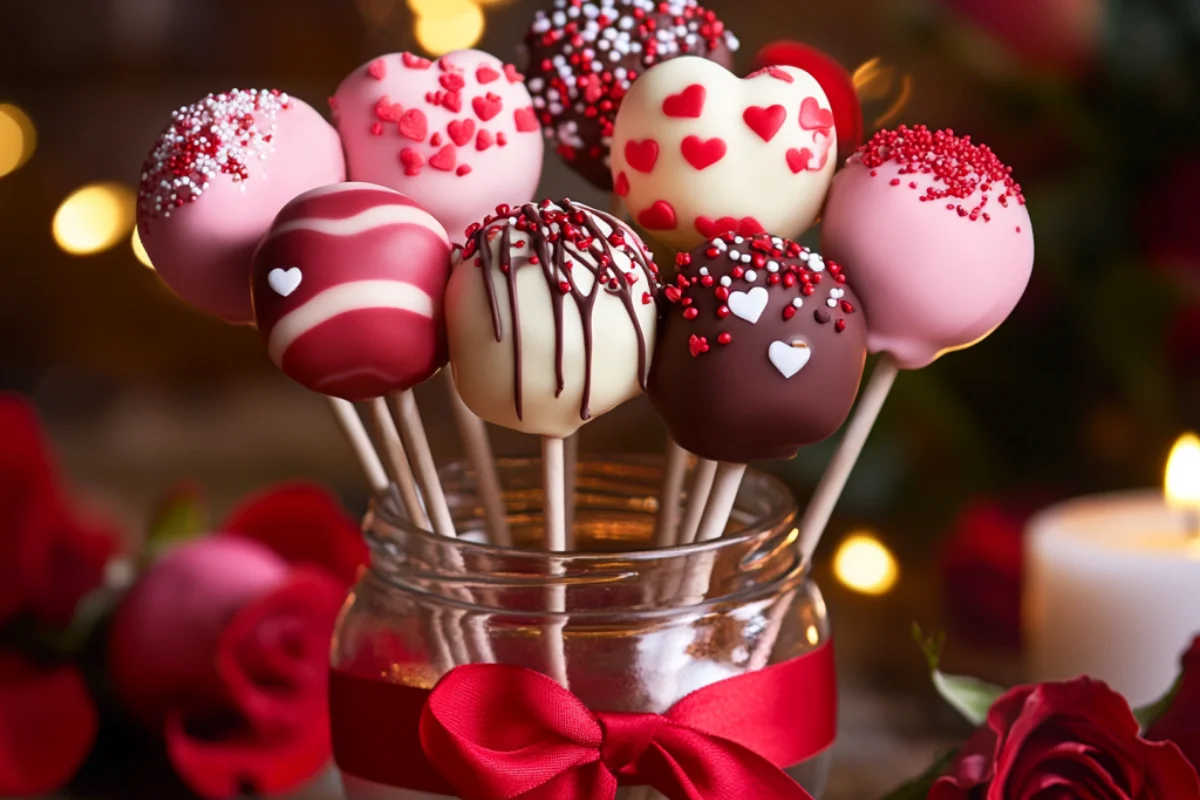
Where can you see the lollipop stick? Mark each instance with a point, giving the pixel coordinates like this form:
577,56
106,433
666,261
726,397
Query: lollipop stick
393,449
669,500
825,497
356,435
570,465
720,501
554,492
474,435
697,498
412,431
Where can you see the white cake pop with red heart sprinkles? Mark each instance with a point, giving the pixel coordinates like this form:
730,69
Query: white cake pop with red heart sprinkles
459,135
349,286
219,173
698,152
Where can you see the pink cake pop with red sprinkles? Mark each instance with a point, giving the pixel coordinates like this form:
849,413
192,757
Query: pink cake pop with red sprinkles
457,134
349,286
218,174
939,239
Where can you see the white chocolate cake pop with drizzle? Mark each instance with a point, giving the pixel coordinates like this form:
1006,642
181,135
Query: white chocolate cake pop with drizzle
551,315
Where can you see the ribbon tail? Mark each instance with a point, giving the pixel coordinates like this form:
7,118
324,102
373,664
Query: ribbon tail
696,766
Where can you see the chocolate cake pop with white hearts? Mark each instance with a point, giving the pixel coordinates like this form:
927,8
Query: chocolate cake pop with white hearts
218,174
551,316
760,349
349,286
584,56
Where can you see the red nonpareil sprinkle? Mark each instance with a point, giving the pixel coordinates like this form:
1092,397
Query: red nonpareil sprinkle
959,169
840,325
789,312
725,338
697,345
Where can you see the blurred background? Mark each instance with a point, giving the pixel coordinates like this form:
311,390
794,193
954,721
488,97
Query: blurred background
1094,103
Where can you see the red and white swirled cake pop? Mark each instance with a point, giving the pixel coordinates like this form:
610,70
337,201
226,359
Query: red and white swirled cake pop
219,173
938,237
458,135
349,287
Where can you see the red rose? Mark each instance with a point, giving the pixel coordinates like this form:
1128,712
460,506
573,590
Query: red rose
223,644
1065,740
47,726
1181,723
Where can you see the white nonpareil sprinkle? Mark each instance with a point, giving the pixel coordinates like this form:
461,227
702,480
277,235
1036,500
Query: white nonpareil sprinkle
727,281
751,275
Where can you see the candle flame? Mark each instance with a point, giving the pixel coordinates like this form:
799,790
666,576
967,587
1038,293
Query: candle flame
1182,482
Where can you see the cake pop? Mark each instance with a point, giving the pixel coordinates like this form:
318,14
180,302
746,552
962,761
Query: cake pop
698,152
938,236
551,316
458,135
584,56
348,291
760,349
219,173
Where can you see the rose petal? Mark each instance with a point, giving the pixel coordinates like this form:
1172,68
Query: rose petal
79,552
47,726
305,525
1181,723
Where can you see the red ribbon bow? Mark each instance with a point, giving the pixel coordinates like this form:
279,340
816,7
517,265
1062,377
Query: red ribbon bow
497,732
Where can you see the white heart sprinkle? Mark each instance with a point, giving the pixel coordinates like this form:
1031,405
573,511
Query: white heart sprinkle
837,294
789,359
284,281
748,305
816,263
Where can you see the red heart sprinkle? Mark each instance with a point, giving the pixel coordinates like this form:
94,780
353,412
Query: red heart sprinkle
813,117
672,294
749,226
436,140
486,75
377,69
711,228
766,122
642,156
412,161
461,131
659,217
688,103
388,111
798,160
416,62
452,81
484,140
703,154
621,185
377,129
465,169
445,159
487,107
697,345
511,73
526,120
452,101
501,138
414,125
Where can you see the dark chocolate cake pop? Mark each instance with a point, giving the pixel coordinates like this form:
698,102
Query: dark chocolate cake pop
760,349
585,54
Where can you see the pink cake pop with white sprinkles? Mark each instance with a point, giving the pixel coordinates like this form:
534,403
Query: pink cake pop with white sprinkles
219,173
349,286
938,236
459,135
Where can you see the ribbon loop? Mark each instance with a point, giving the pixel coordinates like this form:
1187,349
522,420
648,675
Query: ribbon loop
626,738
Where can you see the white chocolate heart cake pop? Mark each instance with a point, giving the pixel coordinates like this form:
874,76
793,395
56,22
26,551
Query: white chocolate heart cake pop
459,135
349,287
551,315
698,152
219,173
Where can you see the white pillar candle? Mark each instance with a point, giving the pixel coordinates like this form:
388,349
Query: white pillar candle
1112,590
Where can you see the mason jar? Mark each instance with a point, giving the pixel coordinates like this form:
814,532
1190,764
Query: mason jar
628,628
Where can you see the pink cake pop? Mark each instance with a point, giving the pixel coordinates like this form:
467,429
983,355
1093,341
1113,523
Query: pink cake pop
217,176
459,135
349,286
938,237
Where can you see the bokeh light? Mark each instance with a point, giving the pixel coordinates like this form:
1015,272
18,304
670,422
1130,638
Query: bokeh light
864,564
94,218
877,83
446,25
18,138
139,251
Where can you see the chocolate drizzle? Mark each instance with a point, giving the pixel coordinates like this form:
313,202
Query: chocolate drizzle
562,240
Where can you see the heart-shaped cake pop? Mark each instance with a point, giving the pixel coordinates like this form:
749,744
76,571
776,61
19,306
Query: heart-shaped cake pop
458,135
698,152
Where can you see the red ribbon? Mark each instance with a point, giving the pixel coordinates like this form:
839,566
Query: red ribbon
498,732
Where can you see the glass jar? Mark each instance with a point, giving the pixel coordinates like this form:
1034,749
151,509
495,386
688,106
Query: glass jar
629,626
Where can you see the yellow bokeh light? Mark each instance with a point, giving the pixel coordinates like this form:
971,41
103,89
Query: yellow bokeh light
1182,480
18,138
94,218
864,564
439,34
140,251
440,8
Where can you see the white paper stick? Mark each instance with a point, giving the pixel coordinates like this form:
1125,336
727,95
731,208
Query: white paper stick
697,498
412,432
553,491
671,498
393,449
474,434
570,465
351,426
829,490
720,501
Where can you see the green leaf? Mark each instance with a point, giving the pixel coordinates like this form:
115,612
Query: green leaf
178,517
1148,715
918,788
968,696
